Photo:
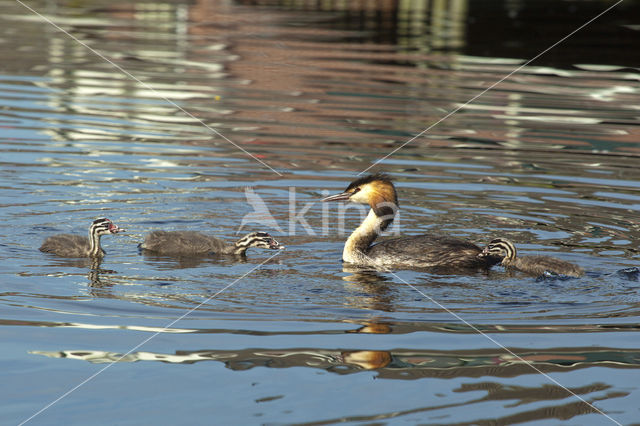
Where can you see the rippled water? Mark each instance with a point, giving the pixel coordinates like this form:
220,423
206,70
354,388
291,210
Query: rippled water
157,138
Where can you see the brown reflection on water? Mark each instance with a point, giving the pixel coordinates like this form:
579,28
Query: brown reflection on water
286,91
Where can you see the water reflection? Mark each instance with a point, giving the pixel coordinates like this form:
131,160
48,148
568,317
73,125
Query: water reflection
220,86
183,262
400,364
372,326
419,365
96,274
368,289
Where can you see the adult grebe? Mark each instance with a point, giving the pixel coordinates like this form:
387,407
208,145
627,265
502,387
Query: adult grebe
419,251
191,243
68,245
535,265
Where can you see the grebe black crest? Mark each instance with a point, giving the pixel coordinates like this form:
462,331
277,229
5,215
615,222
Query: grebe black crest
191,243
69,245
419,251
535,265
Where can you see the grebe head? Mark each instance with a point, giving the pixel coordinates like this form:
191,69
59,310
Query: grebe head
104,226
501,248
375,190
259,239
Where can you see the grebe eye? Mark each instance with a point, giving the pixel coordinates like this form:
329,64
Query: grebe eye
356,190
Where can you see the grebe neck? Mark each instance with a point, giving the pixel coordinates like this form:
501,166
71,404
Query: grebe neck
94,242
511,254
239,248
358,243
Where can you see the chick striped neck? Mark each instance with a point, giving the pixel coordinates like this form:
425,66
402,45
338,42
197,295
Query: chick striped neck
249,240
95,232
504,247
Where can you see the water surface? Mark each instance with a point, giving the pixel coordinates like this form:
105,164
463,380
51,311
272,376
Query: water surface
548,158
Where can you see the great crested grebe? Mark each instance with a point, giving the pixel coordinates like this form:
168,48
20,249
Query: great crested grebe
419,251
191,243
535,265
69,245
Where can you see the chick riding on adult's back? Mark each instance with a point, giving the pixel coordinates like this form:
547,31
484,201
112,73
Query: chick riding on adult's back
535,265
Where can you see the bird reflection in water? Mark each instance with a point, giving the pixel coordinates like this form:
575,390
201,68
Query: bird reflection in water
370,289
95,275
367,360
373,327
161,261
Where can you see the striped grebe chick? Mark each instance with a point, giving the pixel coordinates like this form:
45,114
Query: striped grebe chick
535,265
419,251
69,245
192,243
